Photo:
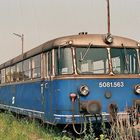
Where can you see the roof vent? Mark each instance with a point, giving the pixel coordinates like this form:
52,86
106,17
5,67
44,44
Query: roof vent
83,33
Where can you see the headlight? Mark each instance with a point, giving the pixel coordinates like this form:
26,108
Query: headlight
108,39
84,90
137,89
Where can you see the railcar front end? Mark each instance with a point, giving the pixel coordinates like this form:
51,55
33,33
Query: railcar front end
95,82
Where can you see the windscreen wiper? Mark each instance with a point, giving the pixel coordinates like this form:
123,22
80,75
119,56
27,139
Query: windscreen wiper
85,53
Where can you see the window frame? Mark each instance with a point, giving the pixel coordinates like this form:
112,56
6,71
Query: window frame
20,76
29,70
3,76
130,69
56,61
34,67
107,63
13,73
8,76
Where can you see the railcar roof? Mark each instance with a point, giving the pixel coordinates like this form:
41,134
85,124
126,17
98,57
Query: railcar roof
97,40
76,40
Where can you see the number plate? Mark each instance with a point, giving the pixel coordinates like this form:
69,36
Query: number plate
111,84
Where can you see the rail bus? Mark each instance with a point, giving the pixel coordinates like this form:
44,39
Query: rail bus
73,79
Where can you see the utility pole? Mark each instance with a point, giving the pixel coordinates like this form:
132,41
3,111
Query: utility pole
22,40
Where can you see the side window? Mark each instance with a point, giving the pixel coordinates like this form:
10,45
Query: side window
8,75
139,59
3,76
46,64
13,74
49,63
36,66
56,62
27,69
19,75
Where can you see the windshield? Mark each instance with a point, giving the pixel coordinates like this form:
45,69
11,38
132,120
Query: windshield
124,61
92,60
63,61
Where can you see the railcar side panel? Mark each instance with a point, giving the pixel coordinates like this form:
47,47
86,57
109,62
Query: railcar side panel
24,98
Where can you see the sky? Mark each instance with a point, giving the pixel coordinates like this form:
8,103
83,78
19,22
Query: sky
43,20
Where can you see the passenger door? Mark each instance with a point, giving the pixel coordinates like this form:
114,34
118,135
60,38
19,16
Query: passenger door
48,87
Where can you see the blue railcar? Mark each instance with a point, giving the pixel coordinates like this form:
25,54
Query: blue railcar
74,79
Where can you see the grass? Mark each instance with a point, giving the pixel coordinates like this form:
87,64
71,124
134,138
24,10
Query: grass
12,128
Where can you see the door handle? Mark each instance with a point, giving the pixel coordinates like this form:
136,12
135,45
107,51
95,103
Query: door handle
42,89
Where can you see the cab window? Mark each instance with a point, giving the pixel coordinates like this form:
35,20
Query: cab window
63,61
91,60
124,61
